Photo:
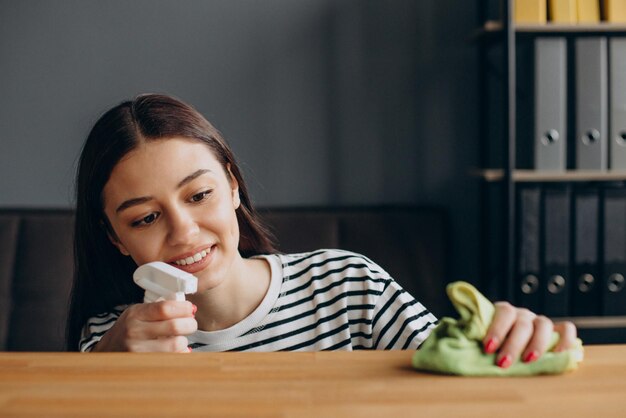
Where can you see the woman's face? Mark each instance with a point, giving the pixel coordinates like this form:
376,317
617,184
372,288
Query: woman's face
171,200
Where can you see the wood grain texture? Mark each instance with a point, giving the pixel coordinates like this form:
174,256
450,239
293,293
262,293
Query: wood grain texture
324,384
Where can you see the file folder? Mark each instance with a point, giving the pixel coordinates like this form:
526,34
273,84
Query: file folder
529,235
591,103
617,106
615,11
556,250
586,287
530,11
588,11
524,103
550,104
614,251
563,11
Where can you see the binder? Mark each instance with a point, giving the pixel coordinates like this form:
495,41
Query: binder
591,103
563,11
550,104
614,11
528,286
530,11
524,103
614,251
556,250
586,287
588,11
617,106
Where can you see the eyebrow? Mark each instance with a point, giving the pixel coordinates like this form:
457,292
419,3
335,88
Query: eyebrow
192,177
139,200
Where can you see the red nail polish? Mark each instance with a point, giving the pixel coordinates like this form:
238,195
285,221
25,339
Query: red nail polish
490,347
194,309
532,356
505,361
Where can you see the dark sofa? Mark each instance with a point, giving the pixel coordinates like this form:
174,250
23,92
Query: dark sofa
36,259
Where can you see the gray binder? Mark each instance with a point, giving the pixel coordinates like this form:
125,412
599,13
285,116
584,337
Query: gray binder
614,254
617,108
550,103
556,250
585,287
591,104
529,250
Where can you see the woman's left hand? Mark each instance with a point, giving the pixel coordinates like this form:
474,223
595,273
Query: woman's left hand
519,333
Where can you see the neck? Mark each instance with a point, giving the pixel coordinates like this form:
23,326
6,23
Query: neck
234,299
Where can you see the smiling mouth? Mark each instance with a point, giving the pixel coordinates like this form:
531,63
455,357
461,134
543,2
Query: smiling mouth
196,258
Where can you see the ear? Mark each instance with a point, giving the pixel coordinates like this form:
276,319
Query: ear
234,186
115,240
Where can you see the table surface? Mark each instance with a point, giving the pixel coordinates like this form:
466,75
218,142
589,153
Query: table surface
322,384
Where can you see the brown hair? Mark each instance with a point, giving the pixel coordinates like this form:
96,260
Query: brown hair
102,276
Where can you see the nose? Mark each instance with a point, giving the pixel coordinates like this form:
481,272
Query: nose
183,228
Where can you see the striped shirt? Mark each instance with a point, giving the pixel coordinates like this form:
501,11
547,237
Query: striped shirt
322,300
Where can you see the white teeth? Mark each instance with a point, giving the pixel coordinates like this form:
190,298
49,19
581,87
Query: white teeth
193,259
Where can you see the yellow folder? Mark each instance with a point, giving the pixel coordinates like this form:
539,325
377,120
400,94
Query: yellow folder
615,11
530,11
588,11
563,11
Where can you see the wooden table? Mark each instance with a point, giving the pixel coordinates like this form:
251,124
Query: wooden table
325,384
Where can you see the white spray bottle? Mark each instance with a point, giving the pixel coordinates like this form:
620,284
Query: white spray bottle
162,281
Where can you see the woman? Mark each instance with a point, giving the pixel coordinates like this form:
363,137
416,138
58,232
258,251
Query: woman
156,182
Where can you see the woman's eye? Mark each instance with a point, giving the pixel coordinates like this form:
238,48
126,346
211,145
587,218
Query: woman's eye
146,220
198,197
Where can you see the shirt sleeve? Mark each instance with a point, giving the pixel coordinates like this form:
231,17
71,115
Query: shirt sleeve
400,322
97,326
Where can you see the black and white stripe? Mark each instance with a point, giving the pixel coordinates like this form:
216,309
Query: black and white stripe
97,326
323,300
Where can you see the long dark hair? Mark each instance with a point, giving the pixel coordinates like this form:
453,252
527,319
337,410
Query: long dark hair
102,275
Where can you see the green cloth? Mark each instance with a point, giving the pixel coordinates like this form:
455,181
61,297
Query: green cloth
455,345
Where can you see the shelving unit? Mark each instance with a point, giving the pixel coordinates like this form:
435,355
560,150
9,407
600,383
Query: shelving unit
507,177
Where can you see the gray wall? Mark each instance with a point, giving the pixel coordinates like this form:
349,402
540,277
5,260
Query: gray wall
325,102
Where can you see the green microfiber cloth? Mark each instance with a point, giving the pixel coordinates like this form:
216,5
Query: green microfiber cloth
455,345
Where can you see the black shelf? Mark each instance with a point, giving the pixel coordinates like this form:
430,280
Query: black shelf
499,185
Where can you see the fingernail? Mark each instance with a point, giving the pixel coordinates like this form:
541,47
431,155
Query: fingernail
490,347
189,349
194,309
532,356
505,361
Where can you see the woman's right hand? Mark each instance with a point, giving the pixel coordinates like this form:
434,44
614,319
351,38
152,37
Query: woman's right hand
151,327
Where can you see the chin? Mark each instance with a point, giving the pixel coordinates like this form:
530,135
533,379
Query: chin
208,281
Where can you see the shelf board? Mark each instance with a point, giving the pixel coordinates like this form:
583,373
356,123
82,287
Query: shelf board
492,28
494,175
596,322
565,28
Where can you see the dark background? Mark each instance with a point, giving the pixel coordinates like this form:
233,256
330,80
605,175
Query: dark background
325,102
